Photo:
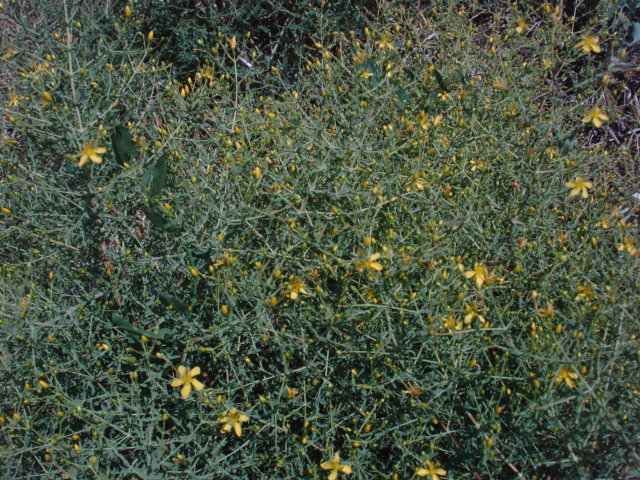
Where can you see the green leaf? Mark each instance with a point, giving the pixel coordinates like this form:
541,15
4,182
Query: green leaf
402,95
121,322
123,145
159,220
172,302
440,80
159,176
636,32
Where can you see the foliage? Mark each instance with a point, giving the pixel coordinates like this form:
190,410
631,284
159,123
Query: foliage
422,259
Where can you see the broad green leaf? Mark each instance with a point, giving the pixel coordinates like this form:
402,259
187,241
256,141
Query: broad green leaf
172,302
636,32
159,176
159,220
123,145
440,80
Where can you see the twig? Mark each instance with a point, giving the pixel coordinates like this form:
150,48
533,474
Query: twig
73,85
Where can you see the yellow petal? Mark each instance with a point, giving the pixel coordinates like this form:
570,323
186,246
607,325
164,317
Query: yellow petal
479,281
597,122
376,266
326,465
422,472
346,469
101,150
176,382
182,371
293,295
226,428
186,391
441,472
197,385
469,274
374,257
333,475
238,429
243,418
194,371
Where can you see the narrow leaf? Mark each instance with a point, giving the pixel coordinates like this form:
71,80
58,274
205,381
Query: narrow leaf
121,322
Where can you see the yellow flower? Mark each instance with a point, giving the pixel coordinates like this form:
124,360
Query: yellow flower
584,291
127,11
579,186
90,152
232,420
589,43
547,312
472,312
186,380
370,265
433,471
596,116
566,375
627,244
481,275
522,26
335,466
384,41
13,100
296,287
366,74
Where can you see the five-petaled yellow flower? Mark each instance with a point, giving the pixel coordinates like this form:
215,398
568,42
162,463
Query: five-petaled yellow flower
579,186
296,287
567,375
369,265
522,26
186,380
589,43
481,275
231,420
433,471
471,312
596,116
90,152
385,42
335,466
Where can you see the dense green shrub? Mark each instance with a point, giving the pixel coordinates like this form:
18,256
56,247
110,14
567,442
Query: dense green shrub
422,258
279,32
